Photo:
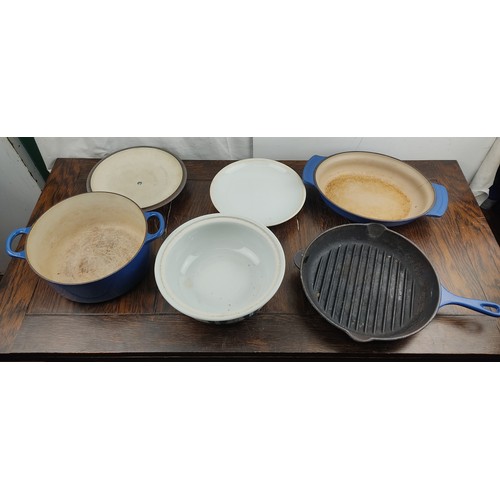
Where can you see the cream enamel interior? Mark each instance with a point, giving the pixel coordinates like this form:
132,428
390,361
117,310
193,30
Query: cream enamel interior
59,240
148,176
389,170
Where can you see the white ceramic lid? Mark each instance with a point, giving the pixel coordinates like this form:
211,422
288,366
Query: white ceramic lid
265,191
149,176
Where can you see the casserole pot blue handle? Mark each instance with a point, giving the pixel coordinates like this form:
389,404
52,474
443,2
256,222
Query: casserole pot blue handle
441,201
309,169
161,230
480,306
10,239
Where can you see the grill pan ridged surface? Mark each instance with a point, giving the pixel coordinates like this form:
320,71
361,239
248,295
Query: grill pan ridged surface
370,281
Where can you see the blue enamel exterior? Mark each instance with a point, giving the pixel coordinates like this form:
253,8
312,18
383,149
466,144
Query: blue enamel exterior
480,306
308,174
309,178
441,203
112,286
10,240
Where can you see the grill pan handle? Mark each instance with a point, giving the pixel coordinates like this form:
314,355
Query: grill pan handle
480,306
310,168
441,201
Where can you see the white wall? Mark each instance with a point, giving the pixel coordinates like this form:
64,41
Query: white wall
186,148
18,195
468,151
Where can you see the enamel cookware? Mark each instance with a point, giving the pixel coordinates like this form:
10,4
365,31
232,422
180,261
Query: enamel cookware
371,187
91,247
149,176
375,284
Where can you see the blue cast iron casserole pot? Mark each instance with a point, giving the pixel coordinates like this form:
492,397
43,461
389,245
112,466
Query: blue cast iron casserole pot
92,247
361,200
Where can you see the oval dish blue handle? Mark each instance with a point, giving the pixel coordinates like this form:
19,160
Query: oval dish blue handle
480,306
309,169
10,239
441,203
161,230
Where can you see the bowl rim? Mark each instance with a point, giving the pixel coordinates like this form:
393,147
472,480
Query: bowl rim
61,205
216,317
404,164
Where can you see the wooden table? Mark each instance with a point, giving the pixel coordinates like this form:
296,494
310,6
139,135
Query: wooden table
37,323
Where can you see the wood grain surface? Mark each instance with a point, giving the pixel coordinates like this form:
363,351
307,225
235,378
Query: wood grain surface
37,323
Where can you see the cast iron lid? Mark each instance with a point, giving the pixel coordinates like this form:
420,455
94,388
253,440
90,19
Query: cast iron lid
151,177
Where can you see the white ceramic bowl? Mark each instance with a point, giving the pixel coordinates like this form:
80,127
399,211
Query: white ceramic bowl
218,268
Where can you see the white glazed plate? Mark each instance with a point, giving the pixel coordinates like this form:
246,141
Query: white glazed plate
265,191
149,176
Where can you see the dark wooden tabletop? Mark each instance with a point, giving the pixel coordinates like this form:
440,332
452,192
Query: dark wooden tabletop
37,323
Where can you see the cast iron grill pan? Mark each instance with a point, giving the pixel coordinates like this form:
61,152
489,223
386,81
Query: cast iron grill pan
370,282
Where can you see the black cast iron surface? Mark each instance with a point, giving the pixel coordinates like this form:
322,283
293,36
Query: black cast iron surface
370,282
